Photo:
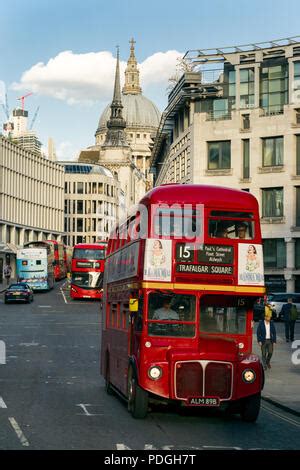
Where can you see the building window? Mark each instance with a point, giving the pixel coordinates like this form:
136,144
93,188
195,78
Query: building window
272,202
79,225
246,88
246,159
298,154
274,88
79,188
246,121
231,89
297,253
296,84
274,253
273,151
297,206
79,207
219,155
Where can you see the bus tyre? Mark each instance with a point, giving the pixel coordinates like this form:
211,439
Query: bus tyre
137,397
250,408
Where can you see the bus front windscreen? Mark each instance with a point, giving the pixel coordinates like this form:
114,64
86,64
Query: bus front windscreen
89,253
171,315
88,280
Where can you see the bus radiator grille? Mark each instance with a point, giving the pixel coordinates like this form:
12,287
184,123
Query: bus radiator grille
218,380
210,379
189,379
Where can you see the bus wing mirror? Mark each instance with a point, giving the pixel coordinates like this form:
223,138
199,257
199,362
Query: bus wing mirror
133,305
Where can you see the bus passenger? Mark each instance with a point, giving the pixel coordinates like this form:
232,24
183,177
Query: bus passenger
165,312
242,230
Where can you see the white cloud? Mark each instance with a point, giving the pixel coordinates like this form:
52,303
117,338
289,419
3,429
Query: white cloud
65,151
86,78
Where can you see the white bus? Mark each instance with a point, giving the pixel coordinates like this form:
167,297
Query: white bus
35,267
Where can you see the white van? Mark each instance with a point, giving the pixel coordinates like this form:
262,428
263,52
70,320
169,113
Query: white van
277,300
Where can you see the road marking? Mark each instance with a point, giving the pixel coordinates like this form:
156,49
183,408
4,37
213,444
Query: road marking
62,293
19,432
28,345
44,306
284,418
2,404
86,412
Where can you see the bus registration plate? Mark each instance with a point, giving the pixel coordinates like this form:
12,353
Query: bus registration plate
203,401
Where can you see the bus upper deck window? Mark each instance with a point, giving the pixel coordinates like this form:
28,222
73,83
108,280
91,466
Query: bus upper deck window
225,228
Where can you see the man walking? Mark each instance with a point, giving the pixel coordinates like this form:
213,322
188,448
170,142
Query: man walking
7,273
266,337
289,315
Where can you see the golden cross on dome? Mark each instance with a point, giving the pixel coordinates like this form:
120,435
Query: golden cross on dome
132,42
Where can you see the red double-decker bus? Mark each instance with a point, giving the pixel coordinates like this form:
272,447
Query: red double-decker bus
87,271
181,277
58,252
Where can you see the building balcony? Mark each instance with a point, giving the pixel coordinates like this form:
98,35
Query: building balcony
217,116
271,111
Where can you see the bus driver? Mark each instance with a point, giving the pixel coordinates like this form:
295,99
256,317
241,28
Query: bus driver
165,312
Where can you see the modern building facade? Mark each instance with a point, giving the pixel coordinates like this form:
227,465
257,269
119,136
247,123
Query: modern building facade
92,202
235,121
31,197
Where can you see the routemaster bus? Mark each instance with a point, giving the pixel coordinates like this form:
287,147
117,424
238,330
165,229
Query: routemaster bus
87,271
182,274
57,249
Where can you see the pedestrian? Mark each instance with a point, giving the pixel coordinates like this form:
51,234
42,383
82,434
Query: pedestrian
266,337
7,273
289,315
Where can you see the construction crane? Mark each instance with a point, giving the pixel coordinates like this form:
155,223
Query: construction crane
22,98
34,118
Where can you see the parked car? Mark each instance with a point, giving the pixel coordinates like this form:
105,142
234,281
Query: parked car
19,292
277,299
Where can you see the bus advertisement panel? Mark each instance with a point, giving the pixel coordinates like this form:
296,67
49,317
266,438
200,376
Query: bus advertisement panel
182,275
87,271
35,267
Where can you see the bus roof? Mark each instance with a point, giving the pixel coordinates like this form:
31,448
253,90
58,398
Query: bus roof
211,196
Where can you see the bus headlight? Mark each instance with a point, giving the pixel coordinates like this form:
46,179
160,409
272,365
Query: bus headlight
155,372
249,376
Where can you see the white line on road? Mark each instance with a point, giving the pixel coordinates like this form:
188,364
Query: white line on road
19,432
279,415
44,306
62,293
2,404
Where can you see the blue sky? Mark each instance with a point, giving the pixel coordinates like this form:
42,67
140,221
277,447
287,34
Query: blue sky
73,88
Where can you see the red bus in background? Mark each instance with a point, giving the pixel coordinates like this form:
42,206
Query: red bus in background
58,252
87,270
68,252
182,274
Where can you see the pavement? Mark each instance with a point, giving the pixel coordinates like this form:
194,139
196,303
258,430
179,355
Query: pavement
282,381
3,284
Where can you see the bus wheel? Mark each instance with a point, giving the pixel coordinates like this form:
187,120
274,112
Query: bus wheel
137,397
250,408
108,387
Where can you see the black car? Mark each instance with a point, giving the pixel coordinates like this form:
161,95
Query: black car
20,292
